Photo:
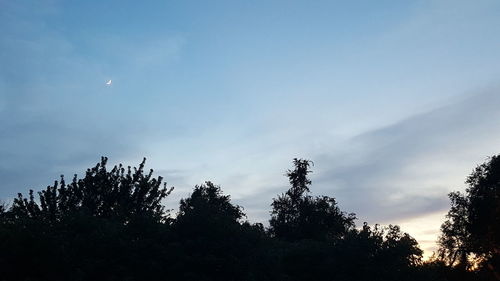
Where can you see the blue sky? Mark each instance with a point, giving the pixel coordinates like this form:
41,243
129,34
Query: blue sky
394,101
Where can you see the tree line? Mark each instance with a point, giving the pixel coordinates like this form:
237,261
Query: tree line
111,225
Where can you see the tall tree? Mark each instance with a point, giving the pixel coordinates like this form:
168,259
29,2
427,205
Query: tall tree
471,233
297,215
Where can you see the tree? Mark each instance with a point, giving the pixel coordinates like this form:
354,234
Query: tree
297,215
215,243
110,225
377,253
454,242
208,202
117,194
471,233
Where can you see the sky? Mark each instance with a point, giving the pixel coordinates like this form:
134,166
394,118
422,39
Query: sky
395,102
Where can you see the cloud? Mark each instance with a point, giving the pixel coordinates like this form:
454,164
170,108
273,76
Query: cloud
406,169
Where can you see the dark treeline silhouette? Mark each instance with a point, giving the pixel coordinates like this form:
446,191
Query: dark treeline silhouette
111,225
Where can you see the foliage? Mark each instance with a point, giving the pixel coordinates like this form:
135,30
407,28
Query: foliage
94,228
111,225
471,234
297,215
215,242
208,203
117,194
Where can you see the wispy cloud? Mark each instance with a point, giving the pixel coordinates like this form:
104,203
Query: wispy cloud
407,168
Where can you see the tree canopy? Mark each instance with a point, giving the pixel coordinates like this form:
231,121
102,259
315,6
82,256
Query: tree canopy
112,225
120,194
297,215
471,233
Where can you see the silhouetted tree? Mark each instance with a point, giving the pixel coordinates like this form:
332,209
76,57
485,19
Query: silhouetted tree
297,215
316,237
120,194
95,228
471,234
216,243
208,203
